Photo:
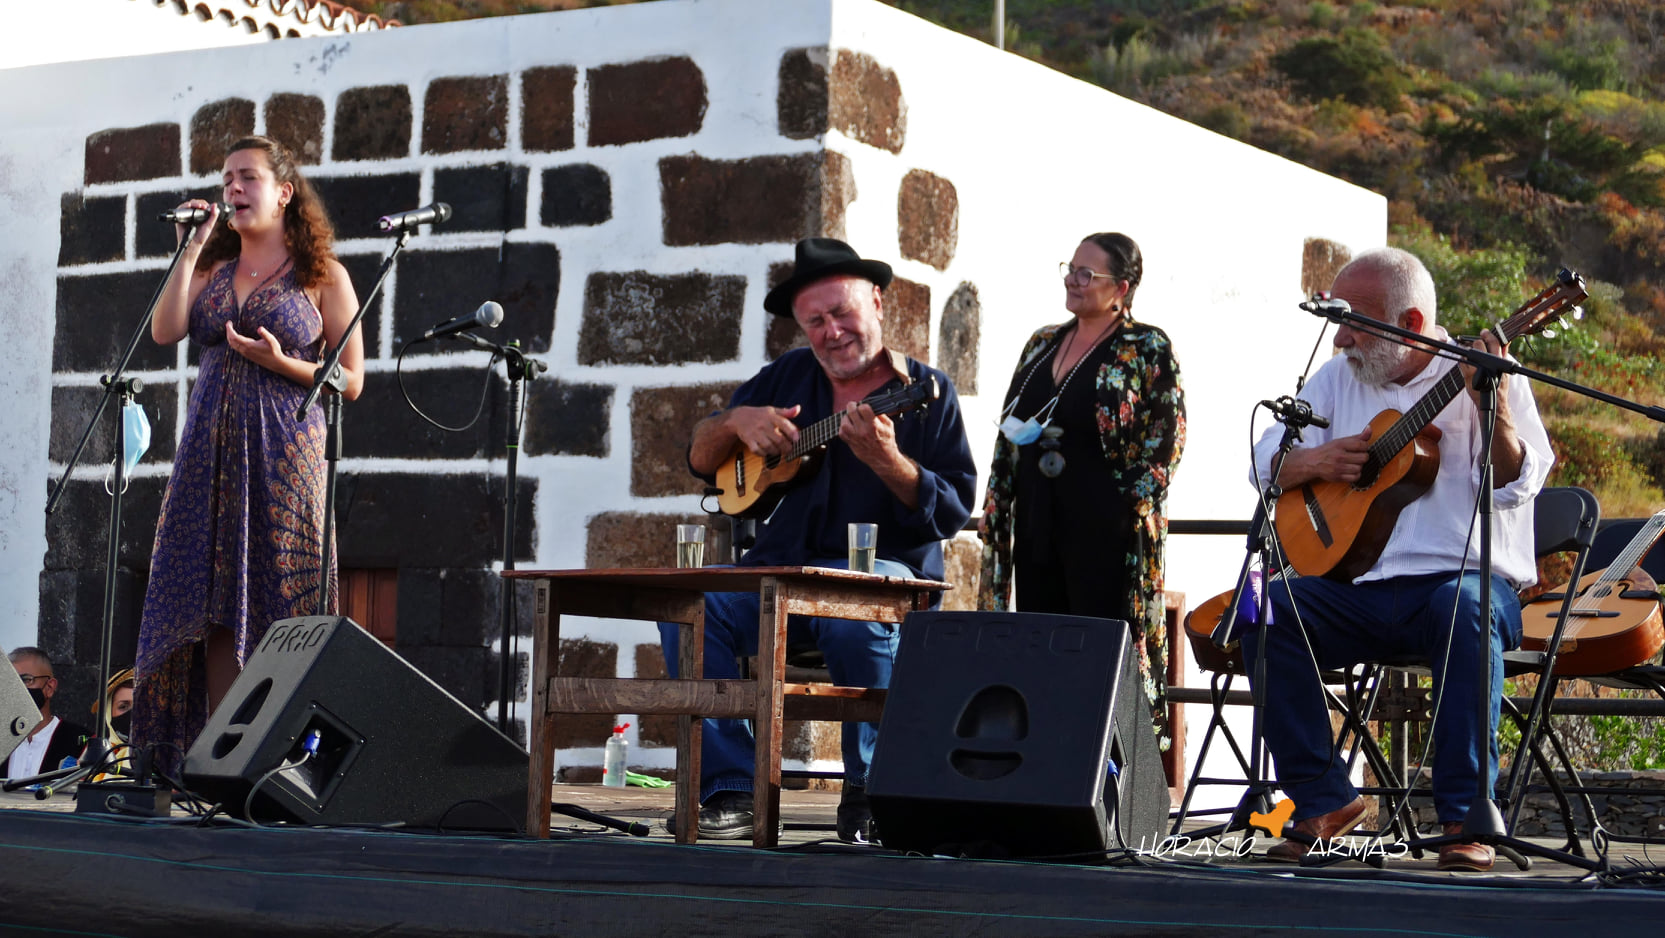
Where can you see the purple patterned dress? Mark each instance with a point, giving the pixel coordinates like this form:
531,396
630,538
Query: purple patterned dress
237,543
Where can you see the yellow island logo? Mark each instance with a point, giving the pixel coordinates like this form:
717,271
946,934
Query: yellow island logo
1179,846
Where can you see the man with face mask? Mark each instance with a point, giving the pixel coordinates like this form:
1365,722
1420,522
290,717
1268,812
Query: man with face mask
53,738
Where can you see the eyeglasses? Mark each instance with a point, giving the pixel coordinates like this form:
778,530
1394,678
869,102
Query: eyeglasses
29,679
1080,275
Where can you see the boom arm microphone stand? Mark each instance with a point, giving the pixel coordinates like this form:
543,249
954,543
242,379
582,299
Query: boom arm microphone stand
116,385
330,375
1484,823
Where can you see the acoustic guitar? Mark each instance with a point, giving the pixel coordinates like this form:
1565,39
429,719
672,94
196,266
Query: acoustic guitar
1338,529
750,484
1614,622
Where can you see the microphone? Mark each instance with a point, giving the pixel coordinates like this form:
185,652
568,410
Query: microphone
194,216
426,215
1295,411
489,315
1323,304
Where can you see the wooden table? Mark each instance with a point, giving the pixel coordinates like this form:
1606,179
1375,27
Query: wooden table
672,595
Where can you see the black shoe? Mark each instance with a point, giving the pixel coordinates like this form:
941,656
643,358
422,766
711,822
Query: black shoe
855,817
726,815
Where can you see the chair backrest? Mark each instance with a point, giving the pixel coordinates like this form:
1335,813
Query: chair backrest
1565,518
1614,537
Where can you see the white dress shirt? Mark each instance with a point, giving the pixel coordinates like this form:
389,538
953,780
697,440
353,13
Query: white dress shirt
26,757
1438,532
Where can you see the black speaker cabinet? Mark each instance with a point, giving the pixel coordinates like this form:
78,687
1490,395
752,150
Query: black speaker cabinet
1028,732
17,710
393,746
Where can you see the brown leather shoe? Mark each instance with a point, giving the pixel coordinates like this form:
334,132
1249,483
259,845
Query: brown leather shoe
1322,827
1465,856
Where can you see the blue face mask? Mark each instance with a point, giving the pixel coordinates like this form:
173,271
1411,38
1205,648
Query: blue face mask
135,435
1021,432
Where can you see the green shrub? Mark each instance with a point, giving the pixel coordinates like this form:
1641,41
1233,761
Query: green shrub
1356,66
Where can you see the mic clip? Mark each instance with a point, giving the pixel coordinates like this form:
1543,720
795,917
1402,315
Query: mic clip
1294,412
1331,308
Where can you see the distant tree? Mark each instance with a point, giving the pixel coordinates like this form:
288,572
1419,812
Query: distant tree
1356,66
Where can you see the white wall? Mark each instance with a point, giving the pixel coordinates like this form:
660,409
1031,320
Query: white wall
1038,160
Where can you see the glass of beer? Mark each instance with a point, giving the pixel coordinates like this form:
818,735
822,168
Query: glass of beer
690,545
864,547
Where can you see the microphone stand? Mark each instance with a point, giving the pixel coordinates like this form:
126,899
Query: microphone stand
1261,548
520,369
330,375
1484,822
116,385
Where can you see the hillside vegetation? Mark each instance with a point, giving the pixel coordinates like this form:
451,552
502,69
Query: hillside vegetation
1511,138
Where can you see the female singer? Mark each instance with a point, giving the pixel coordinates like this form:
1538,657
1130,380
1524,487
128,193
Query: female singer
239,542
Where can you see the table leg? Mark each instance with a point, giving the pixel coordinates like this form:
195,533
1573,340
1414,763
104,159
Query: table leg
690,730
771,669
546,647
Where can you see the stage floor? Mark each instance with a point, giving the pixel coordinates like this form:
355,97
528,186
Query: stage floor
64,873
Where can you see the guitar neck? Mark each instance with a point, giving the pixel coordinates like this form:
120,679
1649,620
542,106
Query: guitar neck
1631,556
1405,429
816,435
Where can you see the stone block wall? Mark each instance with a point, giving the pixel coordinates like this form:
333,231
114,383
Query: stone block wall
513,153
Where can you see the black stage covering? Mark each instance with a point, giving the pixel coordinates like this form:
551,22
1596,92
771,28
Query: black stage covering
88,875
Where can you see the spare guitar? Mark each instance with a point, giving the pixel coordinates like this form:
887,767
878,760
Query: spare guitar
1614,622
1338,529
745,478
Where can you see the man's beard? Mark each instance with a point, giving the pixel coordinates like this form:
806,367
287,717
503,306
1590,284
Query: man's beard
1377,363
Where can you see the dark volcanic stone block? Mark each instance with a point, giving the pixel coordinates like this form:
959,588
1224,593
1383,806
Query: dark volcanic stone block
661,423
407,519
465,113
645,100
959,336
546,108
865,102
435,286
96,316
91,229
73,407
928,218
649,319
637,539
382,424
372,123
355,203
576,195
801,99
754,200
125,153
907,326
362,270
483,198
567,419
297,121
77,532
214,128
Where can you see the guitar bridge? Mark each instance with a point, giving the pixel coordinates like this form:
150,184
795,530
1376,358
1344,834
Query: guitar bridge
1315,514
740,474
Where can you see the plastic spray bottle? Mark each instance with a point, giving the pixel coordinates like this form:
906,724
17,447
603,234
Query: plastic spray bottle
612,761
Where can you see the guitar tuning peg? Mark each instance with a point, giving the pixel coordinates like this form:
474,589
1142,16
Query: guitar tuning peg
1578,312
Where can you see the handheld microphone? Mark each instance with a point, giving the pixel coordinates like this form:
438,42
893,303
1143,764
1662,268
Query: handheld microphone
489,315
426,215
1295,411
193,216
1331,308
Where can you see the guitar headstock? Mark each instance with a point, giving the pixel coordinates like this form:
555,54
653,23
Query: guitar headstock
1542,311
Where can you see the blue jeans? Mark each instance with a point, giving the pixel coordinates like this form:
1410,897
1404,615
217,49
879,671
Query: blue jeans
1381,620
859,654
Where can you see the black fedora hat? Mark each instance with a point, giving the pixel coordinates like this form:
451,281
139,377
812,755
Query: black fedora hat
819,258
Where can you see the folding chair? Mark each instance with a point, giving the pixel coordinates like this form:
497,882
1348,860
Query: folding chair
1565,520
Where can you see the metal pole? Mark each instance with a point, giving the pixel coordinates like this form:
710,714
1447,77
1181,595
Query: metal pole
1000,24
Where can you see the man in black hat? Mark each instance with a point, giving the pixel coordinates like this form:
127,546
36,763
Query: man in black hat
910,473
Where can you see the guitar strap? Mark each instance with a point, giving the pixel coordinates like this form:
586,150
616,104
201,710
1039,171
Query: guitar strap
899,364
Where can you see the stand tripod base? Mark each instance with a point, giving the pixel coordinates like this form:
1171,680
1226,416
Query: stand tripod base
123,798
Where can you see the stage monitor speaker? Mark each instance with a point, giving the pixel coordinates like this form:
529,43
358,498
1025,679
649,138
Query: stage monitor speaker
17,709
1019,734
393,745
